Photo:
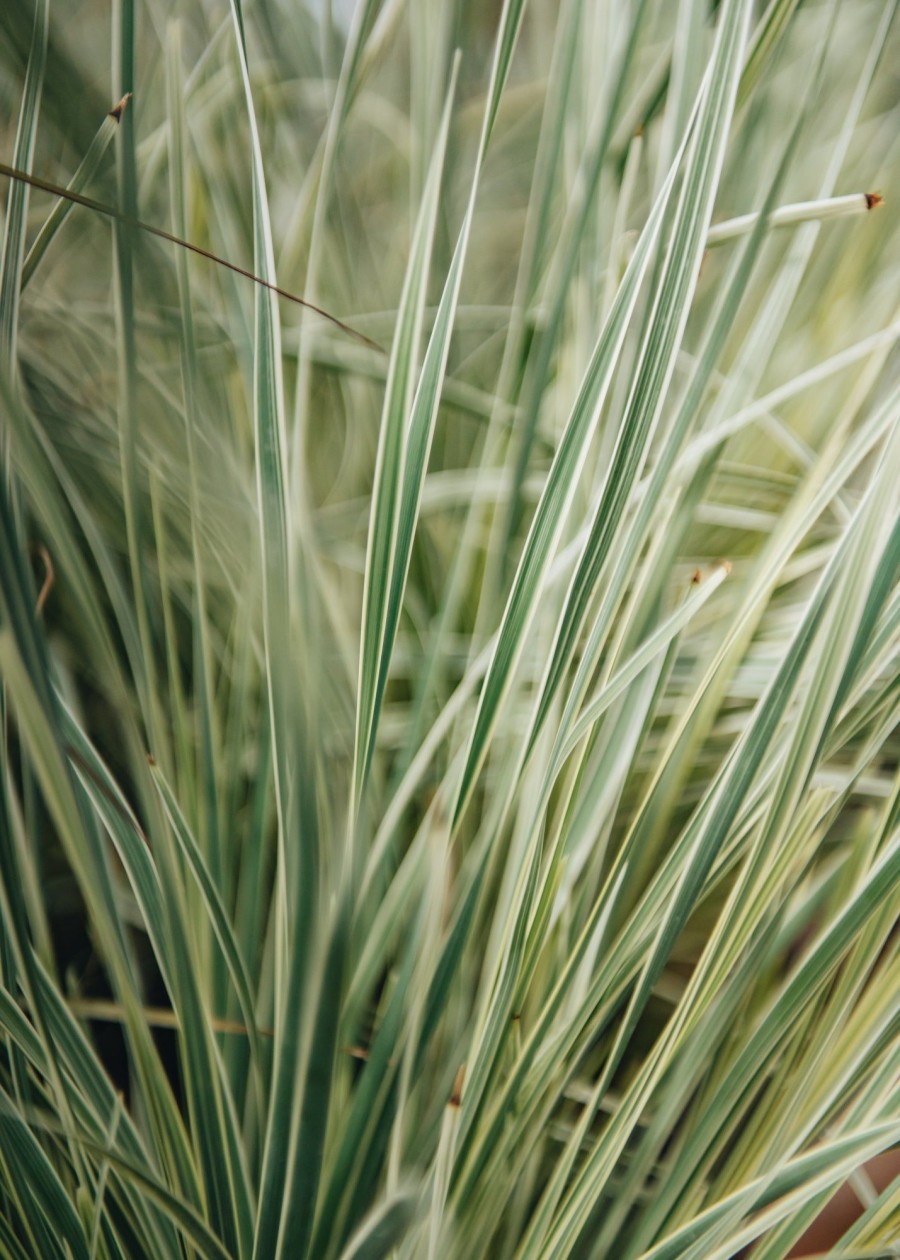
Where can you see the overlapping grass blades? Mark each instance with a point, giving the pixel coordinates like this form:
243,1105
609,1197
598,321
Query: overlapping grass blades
455,815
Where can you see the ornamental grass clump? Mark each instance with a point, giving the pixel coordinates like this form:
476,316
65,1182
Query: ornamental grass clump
448,629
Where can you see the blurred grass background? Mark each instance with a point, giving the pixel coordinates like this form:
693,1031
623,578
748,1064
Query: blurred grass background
417,891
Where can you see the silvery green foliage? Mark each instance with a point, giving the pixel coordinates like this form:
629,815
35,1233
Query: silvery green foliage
449,760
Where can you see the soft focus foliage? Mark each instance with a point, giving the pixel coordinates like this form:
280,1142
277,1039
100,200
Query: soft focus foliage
449,794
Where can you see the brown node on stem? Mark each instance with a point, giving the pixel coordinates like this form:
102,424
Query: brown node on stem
696,578
874,200
118,110
456,1094
151,760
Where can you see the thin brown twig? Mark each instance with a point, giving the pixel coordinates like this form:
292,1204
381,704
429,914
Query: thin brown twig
157,1016
49,576
45,185
108,1012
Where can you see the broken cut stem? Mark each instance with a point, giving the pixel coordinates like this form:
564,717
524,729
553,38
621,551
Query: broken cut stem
798,212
